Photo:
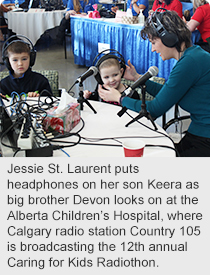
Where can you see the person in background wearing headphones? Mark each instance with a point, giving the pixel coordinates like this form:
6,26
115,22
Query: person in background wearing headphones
201,21
19,59
172,5
188,84
111,73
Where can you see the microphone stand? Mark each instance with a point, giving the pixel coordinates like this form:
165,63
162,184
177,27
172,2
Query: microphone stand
143,112
81,99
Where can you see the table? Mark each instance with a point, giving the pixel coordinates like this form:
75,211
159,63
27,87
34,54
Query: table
86,33
107,124
108,4
34,23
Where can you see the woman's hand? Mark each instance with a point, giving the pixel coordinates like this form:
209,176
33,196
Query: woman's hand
114,9
109,94
130,72
150,12
68,13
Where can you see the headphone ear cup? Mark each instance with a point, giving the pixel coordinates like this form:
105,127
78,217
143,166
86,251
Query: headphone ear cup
169,39
122,63
7,63
32,58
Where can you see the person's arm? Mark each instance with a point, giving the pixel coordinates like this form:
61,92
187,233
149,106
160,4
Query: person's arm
70,9
137,7
196,19
7,7
192,25
44,86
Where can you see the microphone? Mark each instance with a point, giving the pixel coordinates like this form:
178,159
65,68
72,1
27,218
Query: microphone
152,71
91,71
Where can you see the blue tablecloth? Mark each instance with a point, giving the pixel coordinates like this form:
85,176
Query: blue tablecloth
87,33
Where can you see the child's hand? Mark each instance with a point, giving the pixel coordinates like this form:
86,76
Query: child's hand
86,94
33,94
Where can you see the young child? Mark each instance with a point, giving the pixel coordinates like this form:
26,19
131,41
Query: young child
111,73
19,58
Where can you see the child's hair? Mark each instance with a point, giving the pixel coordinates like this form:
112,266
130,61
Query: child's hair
109,62
18,47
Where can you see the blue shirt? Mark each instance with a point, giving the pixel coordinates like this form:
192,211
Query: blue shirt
139,2
188,85
85,7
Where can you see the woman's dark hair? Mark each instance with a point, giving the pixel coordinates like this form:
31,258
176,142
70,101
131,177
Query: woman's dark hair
172,24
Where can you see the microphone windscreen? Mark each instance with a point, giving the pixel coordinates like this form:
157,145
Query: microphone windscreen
94,69
153,70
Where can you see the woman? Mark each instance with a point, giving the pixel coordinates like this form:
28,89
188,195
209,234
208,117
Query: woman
188,84
73,7
172,5
77,6
137,5
201,21
3,25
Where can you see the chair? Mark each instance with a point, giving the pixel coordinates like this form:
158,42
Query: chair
51,75
181,124
208,40
67,34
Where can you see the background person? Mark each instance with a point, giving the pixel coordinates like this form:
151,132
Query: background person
172,5
188,84
76,6
201,21
136,5
73,7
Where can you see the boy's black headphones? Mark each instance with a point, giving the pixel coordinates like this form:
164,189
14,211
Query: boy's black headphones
169,39
102,56
17,38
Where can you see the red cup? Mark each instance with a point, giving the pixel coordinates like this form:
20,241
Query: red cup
133,148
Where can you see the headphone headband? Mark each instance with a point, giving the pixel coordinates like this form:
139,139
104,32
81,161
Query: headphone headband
169,39
102,56
18,38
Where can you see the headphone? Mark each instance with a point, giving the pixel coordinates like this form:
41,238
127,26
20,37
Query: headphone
15,38
102,56
169,39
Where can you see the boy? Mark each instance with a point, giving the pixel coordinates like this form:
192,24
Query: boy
19,58
111,73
